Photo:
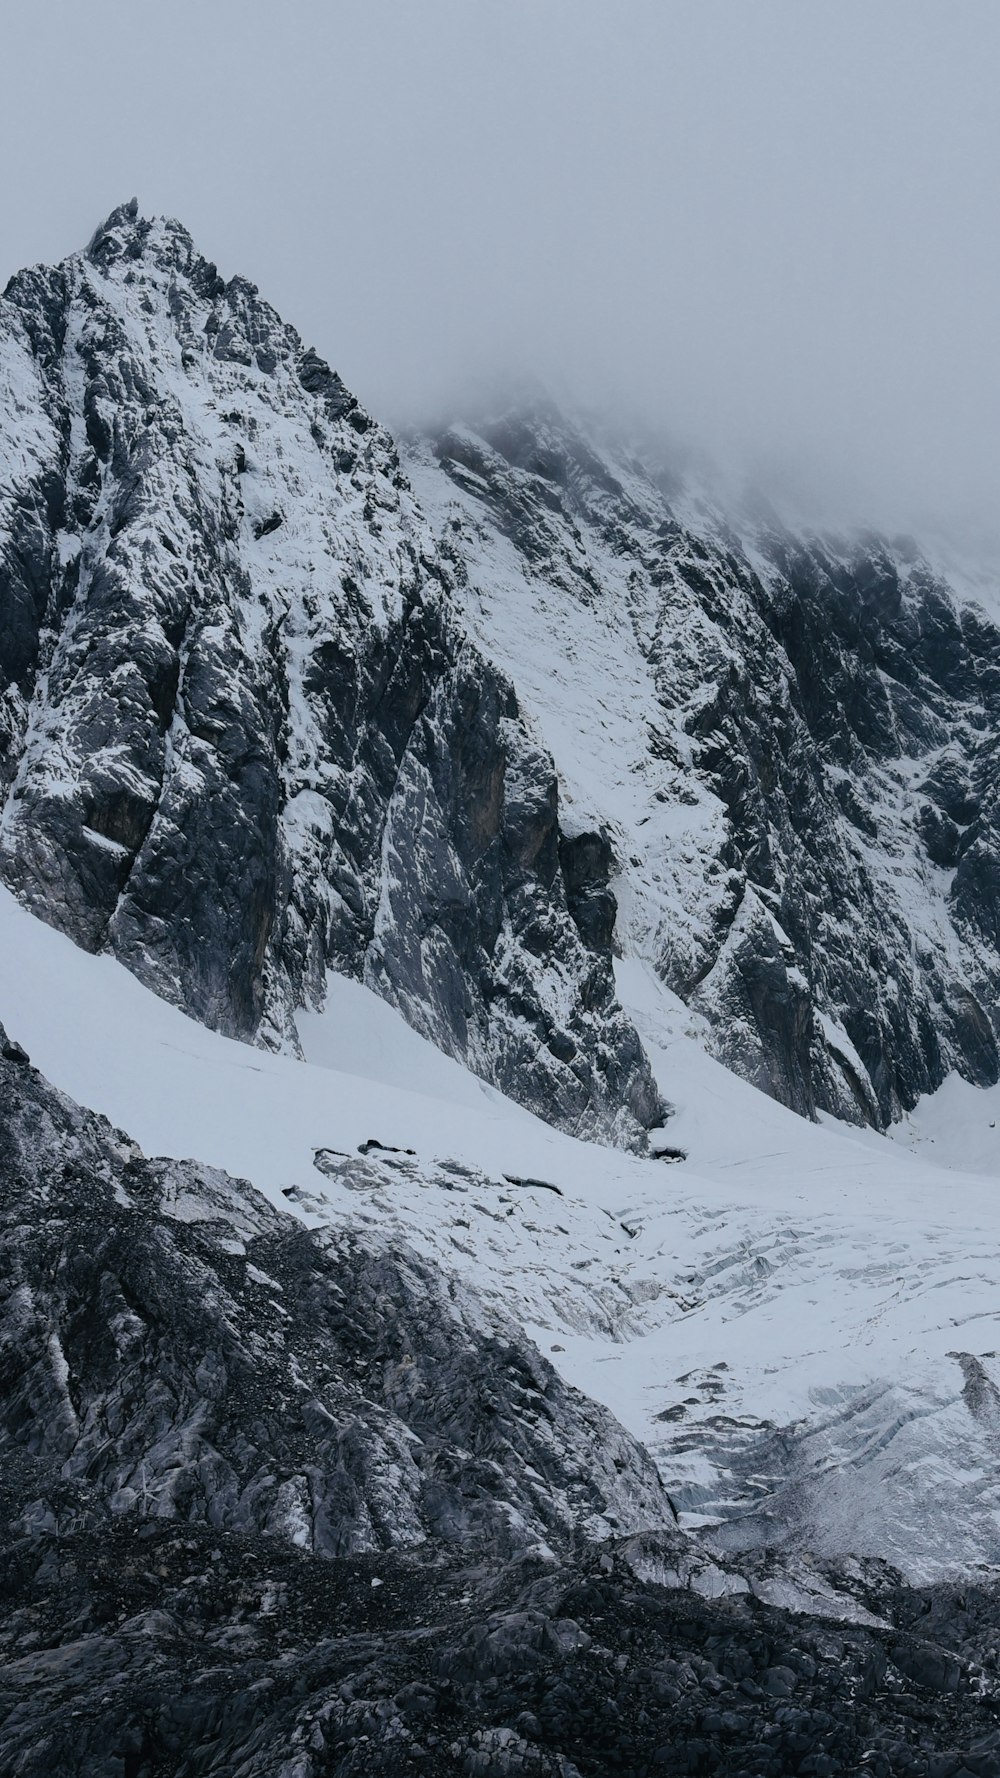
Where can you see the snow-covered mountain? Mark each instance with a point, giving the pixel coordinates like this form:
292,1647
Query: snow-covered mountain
266,714
511,896
243,737
789,743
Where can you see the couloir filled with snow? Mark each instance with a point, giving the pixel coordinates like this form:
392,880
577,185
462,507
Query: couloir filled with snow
799,1320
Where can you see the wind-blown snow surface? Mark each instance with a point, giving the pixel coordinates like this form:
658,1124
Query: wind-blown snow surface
800,1321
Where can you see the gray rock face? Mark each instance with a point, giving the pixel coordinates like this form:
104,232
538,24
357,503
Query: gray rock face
243,737
176,1349
789,742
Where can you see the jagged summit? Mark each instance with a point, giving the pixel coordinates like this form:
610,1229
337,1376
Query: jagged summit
141,246
124,234
244,736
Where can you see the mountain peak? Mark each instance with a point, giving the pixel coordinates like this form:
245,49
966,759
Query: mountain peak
124,234
237,544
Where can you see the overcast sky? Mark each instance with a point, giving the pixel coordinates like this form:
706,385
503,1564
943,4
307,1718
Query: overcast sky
771,225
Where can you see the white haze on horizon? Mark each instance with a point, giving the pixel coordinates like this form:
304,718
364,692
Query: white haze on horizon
766,228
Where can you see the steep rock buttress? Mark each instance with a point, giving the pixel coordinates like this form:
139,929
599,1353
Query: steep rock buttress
243,735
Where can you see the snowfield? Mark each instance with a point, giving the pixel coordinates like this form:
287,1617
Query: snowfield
799,1320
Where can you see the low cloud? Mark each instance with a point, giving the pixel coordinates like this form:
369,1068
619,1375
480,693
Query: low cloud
768,229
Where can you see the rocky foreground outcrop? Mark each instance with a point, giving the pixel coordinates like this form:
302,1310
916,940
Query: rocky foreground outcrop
276,1501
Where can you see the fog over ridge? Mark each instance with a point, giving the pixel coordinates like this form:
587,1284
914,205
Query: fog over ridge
767,231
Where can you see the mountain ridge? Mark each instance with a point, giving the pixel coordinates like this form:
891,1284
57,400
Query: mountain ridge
815,780
816,865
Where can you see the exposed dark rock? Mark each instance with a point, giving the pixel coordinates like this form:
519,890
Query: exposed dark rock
940,835
767,1004
587,863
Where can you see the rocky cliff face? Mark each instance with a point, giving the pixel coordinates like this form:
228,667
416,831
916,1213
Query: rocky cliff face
175,1348
278,1495
243,735
788,742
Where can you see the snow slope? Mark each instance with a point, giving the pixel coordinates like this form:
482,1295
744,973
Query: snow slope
958,1127
799,1320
